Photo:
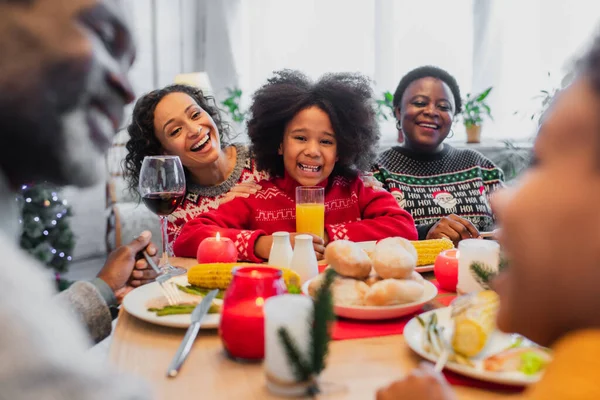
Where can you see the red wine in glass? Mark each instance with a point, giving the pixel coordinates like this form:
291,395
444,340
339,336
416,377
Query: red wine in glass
162,187
162,203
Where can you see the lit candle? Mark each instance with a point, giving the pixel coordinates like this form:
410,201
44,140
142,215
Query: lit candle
477,263
242,327
217,250
295,314
445,269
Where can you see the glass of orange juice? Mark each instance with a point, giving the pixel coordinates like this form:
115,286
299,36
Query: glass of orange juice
310,210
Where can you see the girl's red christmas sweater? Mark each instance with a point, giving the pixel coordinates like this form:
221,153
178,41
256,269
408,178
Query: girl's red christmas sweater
352,211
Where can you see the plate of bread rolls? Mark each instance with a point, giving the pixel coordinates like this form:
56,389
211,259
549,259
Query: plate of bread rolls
375,286
427,251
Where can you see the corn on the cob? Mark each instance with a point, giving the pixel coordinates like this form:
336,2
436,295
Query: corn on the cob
218,275
474,323
428,250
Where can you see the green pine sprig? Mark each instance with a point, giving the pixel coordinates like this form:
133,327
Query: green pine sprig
308,370
482,273
323,316
302,368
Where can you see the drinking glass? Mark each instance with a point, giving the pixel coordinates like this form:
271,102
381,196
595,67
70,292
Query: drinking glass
310,210
162,187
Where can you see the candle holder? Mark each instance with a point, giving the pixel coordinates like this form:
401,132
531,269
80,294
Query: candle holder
217,250
445,269
295,314
242,327
477,265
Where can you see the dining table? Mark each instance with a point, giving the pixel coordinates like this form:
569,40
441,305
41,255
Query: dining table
356,368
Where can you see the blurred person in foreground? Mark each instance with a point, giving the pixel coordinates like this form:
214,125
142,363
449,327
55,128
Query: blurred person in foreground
63,87
551,276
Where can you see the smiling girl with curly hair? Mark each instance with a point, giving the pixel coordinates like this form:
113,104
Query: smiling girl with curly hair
307,134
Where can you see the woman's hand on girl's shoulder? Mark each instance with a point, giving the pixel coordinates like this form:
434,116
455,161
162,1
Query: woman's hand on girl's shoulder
370,181
244,189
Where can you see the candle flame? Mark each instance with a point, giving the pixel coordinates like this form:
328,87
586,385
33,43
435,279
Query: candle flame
218,236
260,301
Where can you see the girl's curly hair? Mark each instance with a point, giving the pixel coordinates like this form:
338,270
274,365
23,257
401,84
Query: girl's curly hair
142,139
347,98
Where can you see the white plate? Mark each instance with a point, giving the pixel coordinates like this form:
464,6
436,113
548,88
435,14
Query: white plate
370,247
383,312
136,301
498,341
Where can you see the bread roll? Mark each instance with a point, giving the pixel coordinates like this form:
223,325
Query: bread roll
348,259
315,284
349,292
373,279
394,258
393,291
415,276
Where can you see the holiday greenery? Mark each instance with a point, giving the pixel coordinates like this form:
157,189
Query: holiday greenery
484,274
46,233
308,368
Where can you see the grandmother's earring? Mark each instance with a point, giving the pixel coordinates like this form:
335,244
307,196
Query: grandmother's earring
451,135
398,125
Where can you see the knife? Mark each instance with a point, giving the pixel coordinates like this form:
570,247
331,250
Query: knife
188,340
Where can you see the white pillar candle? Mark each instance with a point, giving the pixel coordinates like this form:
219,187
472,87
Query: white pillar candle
485,252
294,313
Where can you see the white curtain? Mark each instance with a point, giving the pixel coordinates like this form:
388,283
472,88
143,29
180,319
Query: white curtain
518,47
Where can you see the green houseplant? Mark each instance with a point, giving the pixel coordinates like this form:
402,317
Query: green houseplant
232,105
474,109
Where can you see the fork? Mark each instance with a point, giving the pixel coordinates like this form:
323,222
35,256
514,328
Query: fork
458,305
169,290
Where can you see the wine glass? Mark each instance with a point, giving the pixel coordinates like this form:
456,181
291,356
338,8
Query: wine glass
162,187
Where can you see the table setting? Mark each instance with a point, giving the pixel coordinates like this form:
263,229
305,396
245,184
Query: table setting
338,328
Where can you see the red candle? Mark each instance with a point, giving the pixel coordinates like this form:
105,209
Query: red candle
242,327
217,250
445,269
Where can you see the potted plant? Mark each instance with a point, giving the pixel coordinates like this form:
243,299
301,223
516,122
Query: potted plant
232,105
474,109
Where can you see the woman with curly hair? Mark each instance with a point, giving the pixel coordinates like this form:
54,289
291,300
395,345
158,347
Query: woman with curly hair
179,120
445,189
307,134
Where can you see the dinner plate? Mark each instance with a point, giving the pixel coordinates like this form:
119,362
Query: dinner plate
370,247
136,301
382,312
498,341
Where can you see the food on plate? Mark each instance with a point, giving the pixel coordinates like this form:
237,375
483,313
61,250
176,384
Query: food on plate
433,340
182,309
428,250
393,291
199,291
160,305
349,292
417,277
373,279
528,360
315,284
394,258
348,259
218,275
474,323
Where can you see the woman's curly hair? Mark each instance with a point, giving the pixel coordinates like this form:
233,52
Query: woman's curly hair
142,138
428,71
347,98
